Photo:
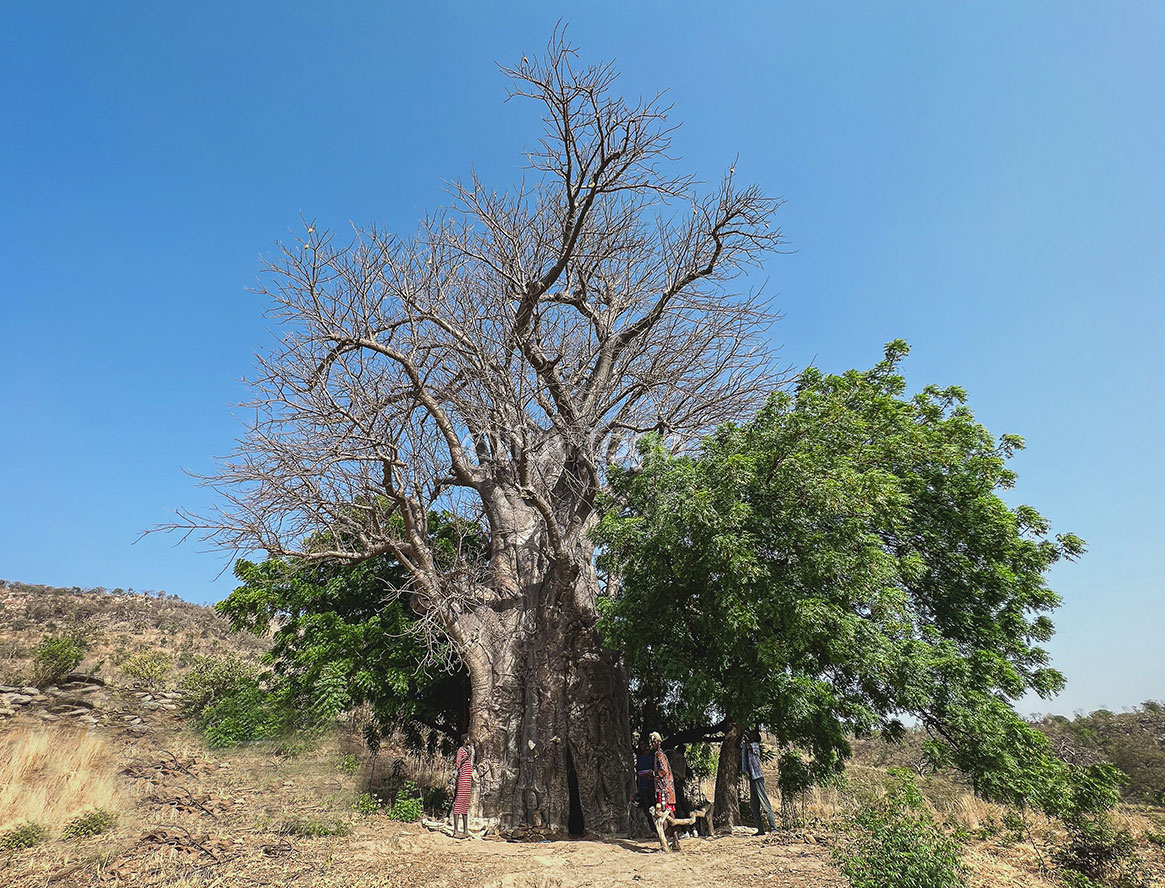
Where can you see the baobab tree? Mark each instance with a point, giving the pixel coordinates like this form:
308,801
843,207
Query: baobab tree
492,367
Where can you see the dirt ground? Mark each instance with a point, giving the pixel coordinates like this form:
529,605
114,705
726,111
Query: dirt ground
191,817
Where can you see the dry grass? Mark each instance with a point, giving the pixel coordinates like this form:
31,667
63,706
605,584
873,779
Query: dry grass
53,775
117,628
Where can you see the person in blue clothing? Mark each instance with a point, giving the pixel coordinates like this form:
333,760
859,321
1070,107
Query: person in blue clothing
762,810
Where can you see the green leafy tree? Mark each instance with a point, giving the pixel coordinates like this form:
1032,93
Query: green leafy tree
840,560
345,635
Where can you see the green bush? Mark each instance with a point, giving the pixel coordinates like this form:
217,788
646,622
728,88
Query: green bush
1102,852
252,714
226,699
23,835
408,806
893,842
213,679
314,829
367,804
349,765
56,656
91,823
150,668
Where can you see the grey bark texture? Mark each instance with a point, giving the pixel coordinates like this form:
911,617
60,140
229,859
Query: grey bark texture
726,811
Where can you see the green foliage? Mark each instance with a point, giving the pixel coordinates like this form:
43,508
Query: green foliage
23,835
794,774
367,804
213,679
436,799
226,698
407,806
350,765
344,635
703,758
91,823
56,656
1131,741
150,668
1073,879
314,829
893,842
1100,851
840,559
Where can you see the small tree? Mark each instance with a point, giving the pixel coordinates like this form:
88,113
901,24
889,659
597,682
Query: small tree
344,635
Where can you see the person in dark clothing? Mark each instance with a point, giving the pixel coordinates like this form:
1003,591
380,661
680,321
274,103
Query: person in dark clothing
680,773
645,776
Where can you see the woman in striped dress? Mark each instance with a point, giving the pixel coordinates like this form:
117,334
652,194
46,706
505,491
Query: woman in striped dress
463,770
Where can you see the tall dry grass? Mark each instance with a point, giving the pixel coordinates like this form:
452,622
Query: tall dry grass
51,776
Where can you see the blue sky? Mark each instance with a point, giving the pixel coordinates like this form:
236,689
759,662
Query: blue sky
984,180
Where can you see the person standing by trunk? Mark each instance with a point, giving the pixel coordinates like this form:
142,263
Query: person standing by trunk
644,776
665,788
762,810
463,771
680,773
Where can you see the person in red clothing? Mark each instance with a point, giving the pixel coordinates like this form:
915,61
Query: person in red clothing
463,771
665,787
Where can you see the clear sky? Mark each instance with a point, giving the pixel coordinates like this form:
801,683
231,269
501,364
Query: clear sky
982,179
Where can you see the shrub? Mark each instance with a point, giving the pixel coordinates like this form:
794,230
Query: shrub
23,835
367,804
314,829
56,656
407,807
212,679
1102,852
151,668
251,714
894,841
226,699
436,800
91,823
349,765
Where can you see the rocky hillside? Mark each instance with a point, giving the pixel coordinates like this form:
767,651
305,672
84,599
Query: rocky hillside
115,628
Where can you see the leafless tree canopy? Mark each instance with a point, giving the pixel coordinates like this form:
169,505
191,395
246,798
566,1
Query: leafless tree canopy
506,353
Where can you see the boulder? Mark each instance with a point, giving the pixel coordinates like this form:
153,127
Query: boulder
75,702
86,679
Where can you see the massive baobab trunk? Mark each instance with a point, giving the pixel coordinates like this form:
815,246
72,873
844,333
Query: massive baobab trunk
485,375
549,703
